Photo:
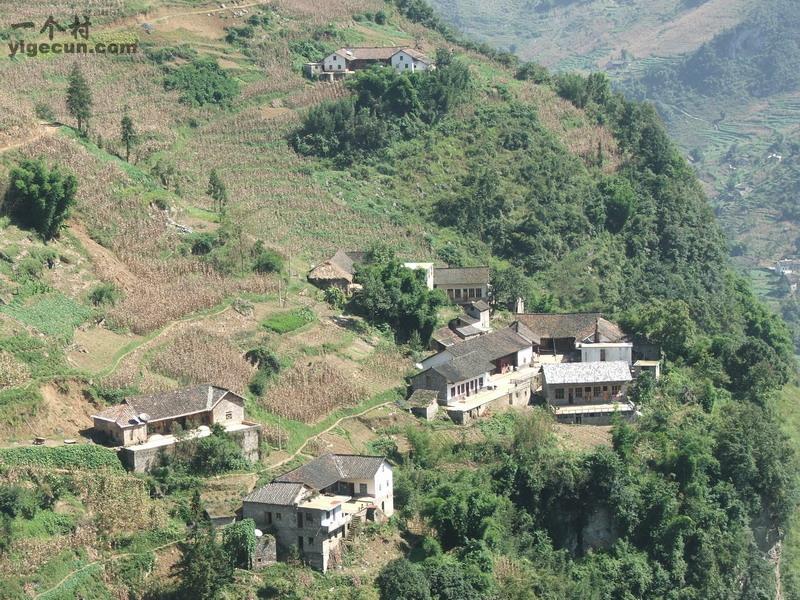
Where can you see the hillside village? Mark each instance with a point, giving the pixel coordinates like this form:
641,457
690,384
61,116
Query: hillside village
338,305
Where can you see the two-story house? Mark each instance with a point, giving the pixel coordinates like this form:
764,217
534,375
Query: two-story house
317,506
588,392
475,373
463,285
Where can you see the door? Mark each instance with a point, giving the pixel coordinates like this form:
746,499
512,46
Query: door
578,419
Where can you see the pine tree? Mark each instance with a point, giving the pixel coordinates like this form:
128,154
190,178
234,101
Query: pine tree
79,98
216,189
128,135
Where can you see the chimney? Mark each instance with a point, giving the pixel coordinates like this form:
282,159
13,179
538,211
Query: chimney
519,306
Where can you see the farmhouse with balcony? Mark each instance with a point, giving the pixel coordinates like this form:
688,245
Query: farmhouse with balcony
319,506
472,323
587,392
493,369
463,285
143,425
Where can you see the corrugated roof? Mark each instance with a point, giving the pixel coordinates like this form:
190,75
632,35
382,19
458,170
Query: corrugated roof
587,372
466,275
276,493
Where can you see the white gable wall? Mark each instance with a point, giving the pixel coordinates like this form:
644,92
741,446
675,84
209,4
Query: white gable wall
334,62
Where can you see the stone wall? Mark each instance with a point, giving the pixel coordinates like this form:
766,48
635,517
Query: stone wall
141,459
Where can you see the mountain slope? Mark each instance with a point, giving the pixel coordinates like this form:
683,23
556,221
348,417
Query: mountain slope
578,202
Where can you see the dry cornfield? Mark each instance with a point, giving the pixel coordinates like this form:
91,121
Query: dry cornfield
196,356
311,391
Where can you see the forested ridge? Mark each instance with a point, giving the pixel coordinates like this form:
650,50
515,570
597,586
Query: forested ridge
693,495
571,192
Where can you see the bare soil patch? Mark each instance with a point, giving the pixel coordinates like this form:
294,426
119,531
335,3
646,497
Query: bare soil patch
93,349
583,437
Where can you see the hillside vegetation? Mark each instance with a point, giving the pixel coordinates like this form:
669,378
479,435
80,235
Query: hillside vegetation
721,74
186,263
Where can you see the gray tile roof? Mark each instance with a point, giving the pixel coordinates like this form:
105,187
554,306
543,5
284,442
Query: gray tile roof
491,346
464,367
571,325
175,403
371,53
588,372
330,468
276,493
478,276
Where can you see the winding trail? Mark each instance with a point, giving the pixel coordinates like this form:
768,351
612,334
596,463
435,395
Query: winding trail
99,562
299,451
43,129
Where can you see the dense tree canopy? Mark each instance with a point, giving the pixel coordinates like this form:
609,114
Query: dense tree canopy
40,198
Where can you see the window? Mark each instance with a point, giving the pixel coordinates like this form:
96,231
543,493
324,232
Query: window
278,516
327,514
597,391
458,293
479,293
310,541
615,389
579,392
229,415
605,388
452,391
406,65
588,390
362,488
602,355
559,393
480,382
269,518
300,541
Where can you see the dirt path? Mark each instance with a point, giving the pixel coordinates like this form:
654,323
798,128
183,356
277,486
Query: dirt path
43,129
299,451
97,562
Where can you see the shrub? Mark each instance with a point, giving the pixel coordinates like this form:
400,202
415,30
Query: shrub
41,198
268,261
202,82
215,454
104,294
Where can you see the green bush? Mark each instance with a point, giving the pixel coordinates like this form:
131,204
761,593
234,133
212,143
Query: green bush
104,294
268,261
202,82
40,198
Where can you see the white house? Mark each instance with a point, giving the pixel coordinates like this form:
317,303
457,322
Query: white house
587,392
409,60
315,507
605,351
